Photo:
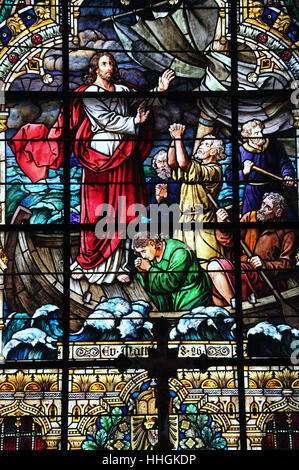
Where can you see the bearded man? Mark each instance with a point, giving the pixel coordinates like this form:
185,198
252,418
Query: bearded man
199,175
273,249
162,190
111,143
267,154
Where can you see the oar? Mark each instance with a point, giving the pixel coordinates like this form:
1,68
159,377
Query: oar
132,12
267,173
287,310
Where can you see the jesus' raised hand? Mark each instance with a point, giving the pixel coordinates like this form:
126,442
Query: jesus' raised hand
142,114
165,80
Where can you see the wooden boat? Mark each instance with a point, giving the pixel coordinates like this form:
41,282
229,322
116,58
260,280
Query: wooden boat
34,277
265,309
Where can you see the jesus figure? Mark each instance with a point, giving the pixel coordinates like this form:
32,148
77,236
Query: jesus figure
111,144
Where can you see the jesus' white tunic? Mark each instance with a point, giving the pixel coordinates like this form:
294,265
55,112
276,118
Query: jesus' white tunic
110,122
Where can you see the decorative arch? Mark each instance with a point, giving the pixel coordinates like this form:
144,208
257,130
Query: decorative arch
76,414
7,387
217,415
21,433
53,412
32,387
132,385
179,388
119,386
254,410
97,387
147,403
87,408
231,383
23,409
86,422
231,409
274,383
283,405
103,408
41,408
209,383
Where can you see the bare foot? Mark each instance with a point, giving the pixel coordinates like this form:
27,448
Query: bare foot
77,274
123,278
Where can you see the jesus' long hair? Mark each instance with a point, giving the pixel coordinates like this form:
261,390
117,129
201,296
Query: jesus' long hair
91,77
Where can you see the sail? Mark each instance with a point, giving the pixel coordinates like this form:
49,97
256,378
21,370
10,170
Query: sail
174,36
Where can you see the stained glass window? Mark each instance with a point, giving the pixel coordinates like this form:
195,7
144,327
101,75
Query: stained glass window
149,228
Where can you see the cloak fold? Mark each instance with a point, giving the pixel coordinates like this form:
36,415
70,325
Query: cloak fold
105,179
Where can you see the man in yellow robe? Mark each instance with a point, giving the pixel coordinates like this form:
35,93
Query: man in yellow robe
199,175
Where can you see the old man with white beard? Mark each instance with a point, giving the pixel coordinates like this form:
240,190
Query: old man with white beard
268,154
162,191
199,175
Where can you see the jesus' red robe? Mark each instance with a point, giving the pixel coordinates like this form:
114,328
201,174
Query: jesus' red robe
37,149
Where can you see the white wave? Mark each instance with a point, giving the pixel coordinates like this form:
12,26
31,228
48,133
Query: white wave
44,310
101,320
212,311
265,328
32,336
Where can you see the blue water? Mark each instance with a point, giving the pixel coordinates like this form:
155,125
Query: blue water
45,198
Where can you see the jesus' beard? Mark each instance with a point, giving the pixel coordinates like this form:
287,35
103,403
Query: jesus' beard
107,76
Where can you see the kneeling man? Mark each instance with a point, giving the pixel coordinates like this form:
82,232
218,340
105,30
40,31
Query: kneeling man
170,273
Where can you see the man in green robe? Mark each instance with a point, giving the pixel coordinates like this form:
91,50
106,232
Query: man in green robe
170,273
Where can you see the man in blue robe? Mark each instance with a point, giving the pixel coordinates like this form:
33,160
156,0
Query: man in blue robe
269,155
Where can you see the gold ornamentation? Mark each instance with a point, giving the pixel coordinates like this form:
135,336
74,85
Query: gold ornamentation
286,377
18,422
190,443
19,380
42,10
110,380
82,382
289,419
255,10
46,382
185,424
33,65
3,260
3,126
296,118
119,445
282,23
15,24
266,63
123,427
